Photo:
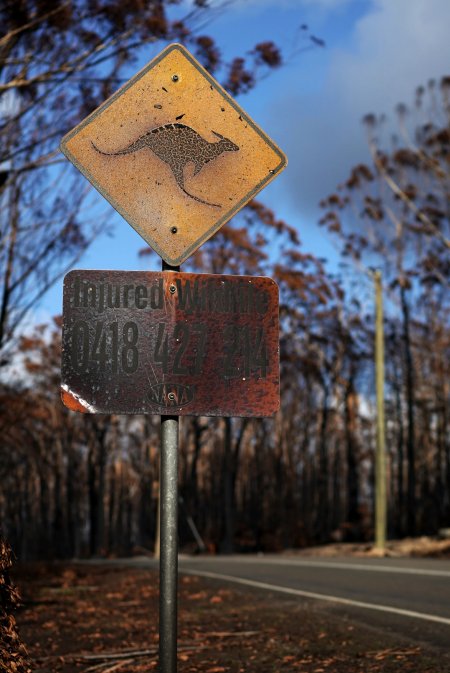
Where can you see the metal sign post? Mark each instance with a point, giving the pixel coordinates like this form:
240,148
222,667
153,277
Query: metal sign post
168,526
177,157
168,564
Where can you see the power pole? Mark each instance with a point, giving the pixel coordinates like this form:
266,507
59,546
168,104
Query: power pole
380,461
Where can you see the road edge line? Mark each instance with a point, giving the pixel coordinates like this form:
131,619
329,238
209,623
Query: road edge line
341,565
321,597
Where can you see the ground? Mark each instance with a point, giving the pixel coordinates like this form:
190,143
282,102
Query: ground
103,619
425,546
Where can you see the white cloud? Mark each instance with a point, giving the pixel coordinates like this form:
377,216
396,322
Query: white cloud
399,46
393,49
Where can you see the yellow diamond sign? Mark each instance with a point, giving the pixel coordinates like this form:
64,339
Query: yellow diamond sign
174,154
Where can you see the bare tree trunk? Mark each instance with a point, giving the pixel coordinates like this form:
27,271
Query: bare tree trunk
59,527
230,469
444,452
101,495
410,445
71,504
96,486
44,537
8,271
323,506
350,413
336,514
93,502
400,516
198,431
111,509
228,495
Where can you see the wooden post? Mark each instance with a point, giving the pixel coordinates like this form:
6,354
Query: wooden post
380,461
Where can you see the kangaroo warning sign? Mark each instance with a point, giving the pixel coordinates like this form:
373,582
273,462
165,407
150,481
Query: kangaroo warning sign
137,342
174,154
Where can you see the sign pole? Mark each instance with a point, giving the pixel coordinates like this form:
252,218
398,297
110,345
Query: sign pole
168,564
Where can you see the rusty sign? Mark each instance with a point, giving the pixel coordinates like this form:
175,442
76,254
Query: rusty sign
174,154
137,342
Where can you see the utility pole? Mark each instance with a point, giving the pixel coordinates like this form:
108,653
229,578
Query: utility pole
380,460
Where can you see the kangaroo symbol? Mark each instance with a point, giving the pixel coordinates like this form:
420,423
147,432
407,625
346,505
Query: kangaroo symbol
178,145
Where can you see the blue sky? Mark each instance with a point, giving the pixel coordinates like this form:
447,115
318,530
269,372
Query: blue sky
377,53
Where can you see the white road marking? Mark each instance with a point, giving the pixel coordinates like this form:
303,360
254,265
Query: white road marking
320,597
340,565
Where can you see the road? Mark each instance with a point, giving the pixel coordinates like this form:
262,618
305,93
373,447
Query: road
410,597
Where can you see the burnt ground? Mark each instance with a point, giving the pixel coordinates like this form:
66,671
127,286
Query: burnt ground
98,619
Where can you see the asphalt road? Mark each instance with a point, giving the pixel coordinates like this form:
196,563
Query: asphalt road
409,597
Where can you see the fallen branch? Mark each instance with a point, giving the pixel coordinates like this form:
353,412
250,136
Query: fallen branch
130,655
114,655
231,634
115,667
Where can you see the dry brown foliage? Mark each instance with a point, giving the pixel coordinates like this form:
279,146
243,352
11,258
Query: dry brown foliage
13,655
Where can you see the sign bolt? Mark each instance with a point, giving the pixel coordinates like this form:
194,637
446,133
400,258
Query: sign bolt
172,289
175,78
174,230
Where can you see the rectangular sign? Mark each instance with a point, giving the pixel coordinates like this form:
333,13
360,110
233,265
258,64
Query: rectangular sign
137,342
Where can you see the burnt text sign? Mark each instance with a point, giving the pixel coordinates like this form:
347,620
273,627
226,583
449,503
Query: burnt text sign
174,154
170,343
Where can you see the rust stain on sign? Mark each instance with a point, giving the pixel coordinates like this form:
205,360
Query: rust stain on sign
138,342
71,401
174,154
